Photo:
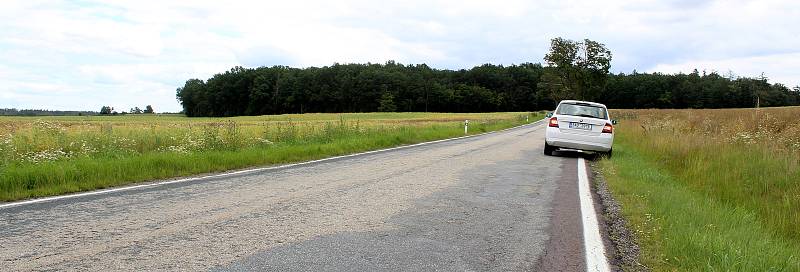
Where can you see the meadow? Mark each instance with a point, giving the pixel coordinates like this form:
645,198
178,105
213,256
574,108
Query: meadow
58,155
710,190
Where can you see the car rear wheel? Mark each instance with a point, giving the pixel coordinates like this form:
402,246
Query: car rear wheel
548,149
608,153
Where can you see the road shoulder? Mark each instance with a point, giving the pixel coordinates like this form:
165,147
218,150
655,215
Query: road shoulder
621,245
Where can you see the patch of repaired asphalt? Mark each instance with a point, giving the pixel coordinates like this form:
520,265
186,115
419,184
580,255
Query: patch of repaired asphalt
564,250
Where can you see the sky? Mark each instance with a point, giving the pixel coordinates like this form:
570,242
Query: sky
81,55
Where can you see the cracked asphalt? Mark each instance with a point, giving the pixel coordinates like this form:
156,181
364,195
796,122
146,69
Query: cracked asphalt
485,203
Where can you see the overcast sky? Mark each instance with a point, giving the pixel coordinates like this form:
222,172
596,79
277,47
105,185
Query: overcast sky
84,54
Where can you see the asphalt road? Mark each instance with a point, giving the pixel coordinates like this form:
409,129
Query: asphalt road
486,203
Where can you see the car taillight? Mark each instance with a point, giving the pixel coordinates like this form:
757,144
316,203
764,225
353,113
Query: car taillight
608,128
553,122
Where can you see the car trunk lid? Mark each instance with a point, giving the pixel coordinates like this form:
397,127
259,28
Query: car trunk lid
580,125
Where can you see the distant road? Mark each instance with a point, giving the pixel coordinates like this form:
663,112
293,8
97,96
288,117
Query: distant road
484,203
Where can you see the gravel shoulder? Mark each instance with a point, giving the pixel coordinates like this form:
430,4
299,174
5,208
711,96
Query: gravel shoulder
623,247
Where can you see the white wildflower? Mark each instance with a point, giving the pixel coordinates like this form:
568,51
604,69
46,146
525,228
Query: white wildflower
175,149
123,143
47,155
7,139
263,141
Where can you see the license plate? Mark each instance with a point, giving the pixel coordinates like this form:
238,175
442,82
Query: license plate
580,126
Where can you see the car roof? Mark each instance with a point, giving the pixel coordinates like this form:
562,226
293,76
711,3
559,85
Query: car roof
581,102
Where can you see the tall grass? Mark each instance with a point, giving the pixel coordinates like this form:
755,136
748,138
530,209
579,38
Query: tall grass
40,157
711,189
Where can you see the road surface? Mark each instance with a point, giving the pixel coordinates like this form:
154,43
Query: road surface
486,203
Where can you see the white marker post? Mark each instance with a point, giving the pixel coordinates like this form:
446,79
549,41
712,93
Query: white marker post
466,126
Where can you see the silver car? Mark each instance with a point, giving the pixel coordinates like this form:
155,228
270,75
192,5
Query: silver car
579,125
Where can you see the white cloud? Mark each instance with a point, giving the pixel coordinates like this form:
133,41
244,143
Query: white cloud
61,54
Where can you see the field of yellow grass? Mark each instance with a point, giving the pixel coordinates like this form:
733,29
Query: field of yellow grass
710,190
56,155
37,140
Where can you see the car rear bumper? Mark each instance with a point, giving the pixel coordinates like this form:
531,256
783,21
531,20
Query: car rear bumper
579,145
589,143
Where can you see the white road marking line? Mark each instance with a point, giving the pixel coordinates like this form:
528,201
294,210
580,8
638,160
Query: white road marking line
106,191
593,243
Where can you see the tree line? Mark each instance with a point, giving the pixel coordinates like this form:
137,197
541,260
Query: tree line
108,110
575,69
363,88
695,90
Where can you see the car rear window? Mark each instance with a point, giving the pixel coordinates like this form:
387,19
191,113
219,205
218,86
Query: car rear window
584,110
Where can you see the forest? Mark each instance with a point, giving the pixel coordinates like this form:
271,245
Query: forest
486,88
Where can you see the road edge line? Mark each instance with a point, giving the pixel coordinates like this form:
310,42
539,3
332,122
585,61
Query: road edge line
596,259
239,172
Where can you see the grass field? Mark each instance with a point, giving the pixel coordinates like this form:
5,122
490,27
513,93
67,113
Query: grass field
710,190
57,155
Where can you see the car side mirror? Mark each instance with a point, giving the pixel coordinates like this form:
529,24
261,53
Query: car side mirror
548,115
613,122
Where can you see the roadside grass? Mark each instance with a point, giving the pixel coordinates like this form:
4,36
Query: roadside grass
710,190
62,155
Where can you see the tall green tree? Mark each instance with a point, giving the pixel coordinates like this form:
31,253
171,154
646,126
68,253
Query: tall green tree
387,103
577,69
